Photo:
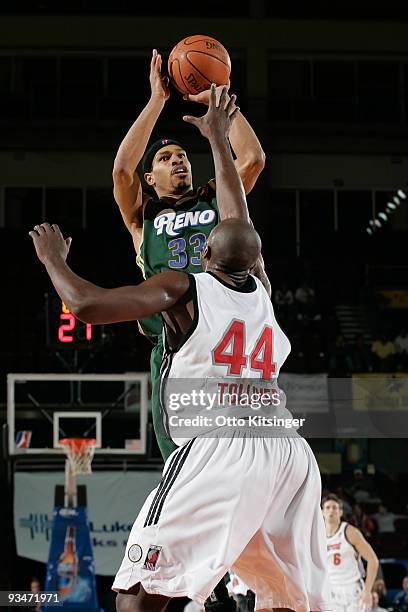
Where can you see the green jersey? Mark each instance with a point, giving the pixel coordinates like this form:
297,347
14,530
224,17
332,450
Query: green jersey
174,234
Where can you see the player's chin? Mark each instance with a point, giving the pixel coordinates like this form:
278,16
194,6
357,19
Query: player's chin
182,183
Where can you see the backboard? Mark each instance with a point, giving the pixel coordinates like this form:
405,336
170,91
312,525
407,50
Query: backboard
113,408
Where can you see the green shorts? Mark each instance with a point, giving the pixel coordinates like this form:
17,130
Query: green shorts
166,444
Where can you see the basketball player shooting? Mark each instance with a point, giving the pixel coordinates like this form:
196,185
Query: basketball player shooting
346,546
169,230
252,502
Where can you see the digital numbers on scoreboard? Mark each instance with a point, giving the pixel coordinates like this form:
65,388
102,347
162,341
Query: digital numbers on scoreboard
69,327
64,330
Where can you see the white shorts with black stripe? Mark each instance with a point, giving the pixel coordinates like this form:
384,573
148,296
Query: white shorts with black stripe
249,504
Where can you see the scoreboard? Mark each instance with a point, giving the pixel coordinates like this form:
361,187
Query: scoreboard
64,330
67,327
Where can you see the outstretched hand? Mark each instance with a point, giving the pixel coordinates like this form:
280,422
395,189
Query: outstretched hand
204,96
49,242
159,84
219,117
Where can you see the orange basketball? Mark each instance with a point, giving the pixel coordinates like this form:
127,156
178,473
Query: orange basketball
196,62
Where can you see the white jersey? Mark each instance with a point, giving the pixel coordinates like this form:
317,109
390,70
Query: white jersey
229,314
235,341
344,563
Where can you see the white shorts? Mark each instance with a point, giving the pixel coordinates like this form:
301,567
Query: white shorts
347,598
249,504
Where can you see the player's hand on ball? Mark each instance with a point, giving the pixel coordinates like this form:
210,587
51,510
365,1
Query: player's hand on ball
159,84
204,96
49,242
217,121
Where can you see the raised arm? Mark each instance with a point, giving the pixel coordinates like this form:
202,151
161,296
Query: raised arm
126,184
250,157
216,125
93,304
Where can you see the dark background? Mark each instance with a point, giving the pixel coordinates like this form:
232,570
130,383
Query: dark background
325,86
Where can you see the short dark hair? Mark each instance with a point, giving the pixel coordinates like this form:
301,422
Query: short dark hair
332,497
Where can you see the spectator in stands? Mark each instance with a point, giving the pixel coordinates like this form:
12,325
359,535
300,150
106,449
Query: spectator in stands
361,356
362,488
401,345
347,509
305,295
35,587
383,351
305,302
381,590
375,605
362,521
385,520
340,359
284,300
283,297
401,599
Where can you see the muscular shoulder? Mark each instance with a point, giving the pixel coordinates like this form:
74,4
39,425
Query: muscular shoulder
175,284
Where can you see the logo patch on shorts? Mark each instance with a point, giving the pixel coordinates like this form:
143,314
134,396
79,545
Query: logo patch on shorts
135,553
152,558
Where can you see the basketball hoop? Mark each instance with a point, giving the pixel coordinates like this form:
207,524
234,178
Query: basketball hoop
80,452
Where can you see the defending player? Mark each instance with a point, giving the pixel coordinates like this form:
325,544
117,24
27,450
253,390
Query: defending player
169,231
252,502
345,547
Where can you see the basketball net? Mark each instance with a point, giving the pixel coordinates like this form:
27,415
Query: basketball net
80,452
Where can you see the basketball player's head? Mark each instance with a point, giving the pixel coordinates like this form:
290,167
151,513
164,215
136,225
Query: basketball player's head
332,509
233,247
166,168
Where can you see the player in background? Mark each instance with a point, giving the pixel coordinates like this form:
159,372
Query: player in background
269,524
169,230
346,546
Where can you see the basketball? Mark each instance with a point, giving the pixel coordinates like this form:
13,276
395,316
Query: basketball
196,62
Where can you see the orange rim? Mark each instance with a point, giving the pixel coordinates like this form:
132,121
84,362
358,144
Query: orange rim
77,445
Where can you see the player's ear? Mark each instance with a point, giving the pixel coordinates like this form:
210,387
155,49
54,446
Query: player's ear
148,177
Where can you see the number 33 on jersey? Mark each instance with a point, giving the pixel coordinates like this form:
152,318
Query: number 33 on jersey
174,235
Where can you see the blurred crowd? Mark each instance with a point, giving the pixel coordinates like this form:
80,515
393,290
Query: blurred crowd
365,508
308,325
383,520
382,354
319,345
383,602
